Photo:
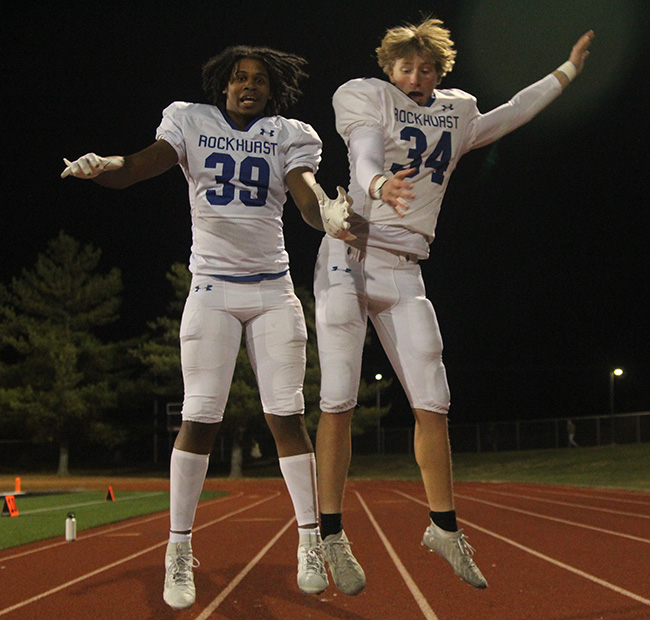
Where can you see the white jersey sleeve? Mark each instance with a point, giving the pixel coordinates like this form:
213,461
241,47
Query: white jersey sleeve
356,110
171,128
236,185
302,146
518,111
355,105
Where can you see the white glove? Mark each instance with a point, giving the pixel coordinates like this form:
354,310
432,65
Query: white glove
335,213
91,165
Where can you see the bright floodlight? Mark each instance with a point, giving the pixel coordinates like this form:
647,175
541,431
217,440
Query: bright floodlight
618,372
379,377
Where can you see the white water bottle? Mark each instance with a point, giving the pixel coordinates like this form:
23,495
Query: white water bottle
71,527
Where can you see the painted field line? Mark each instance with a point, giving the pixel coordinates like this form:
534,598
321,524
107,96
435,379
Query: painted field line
410,584
257,520
539,515
247,569
131,523
598,493
542,556
93,503
103,569
570,504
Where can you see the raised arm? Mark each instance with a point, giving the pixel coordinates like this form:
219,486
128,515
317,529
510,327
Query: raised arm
118,171
319,211
579,54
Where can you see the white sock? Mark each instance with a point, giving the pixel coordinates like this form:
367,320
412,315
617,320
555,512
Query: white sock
299,473
305,535
186,477
179,538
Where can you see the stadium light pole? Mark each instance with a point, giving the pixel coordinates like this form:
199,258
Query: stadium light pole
616,372
378,378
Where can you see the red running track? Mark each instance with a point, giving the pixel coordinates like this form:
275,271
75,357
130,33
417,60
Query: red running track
548,553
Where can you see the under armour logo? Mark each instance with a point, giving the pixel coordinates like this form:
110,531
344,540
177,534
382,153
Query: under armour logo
447,107
264,132
336,268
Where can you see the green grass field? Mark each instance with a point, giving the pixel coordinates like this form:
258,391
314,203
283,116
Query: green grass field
618,466
621,466
42,516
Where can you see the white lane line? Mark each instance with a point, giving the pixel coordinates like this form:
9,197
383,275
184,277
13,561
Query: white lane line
257,520
539,515
247,569
108,530
570,504
103,569
593,493
415,591
547,558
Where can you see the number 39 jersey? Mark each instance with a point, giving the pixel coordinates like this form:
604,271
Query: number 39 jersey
431,139
237,185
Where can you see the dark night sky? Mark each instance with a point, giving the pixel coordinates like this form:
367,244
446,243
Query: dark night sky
540,271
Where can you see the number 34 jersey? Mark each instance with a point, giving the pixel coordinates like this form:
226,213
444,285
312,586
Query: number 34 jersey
431,139
237,185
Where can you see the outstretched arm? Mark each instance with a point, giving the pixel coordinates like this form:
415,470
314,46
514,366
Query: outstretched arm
119,172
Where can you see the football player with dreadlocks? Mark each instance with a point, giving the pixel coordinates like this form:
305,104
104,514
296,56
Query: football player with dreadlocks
238,156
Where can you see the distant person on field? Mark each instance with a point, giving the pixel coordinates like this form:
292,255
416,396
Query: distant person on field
571,434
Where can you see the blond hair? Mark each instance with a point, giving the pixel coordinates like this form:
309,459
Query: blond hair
428,39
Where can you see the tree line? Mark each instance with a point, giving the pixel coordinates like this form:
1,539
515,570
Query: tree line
66,379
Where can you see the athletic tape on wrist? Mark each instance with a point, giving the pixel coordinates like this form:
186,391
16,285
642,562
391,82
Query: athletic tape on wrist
569,69
375,192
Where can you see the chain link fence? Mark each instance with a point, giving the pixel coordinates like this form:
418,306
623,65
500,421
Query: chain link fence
539,434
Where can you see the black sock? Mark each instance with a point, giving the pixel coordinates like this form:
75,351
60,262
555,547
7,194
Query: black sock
331,523
445,520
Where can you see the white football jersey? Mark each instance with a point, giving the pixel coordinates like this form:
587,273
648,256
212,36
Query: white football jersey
430,139
237,185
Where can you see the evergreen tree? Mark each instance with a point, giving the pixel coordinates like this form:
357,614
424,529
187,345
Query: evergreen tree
54,367
159,350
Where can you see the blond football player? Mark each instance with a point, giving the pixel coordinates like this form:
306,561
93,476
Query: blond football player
405,137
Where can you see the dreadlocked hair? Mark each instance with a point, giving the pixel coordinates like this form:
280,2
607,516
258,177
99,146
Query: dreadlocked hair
285,72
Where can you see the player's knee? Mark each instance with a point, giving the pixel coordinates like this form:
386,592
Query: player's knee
285,422
203,409
339,384
337,394
334,405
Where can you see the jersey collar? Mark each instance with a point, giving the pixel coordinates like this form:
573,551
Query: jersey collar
426,105
230,122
